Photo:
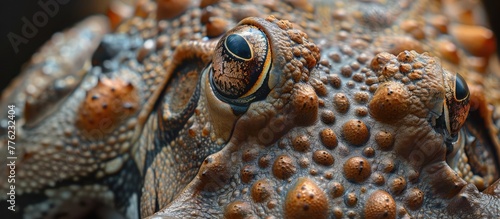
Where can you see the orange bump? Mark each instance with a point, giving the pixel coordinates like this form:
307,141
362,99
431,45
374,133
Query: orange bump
477,40
357,169
261,190
337,189
249,154
337,212
238,210
387,165
107,105
323,157
378,179
440,22
355,132
117,12
328,117
284,167
414,28
247,173
305,103
380,204
143,8
328,138
302,4
397,44
264,161
351,199
341,102
390,102
216,27
384,140
361,97
448,51
369,152
205,3
398,184
301,143
306,200
167,9
381,60
414,199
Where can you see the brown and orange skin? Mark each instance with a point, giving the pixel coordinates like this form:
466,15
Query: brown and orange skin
347,128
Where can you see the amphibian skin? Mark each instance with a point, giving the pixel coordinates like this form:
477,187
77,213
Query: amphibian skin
260,109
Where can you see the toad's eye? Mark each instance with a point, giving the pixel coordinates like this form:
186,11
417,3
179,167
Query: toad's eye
238,47
461,89
240,67
457,103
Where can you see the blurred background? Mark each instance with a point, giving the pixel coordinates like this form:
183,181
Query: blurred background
12,12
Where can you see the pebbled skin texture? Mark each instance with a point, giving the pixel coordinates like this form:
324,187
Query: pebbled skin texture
341,112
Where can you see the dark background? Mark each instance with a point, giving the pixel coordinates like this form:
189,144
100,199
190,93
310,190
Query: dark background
493,11
12,12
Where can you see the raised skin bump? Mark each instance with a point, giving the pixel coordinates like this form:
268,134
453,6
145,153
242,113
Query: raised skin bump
351,123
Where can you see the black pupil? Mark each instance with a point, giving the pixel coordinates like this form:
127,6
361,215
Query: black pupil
461,89
237,45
